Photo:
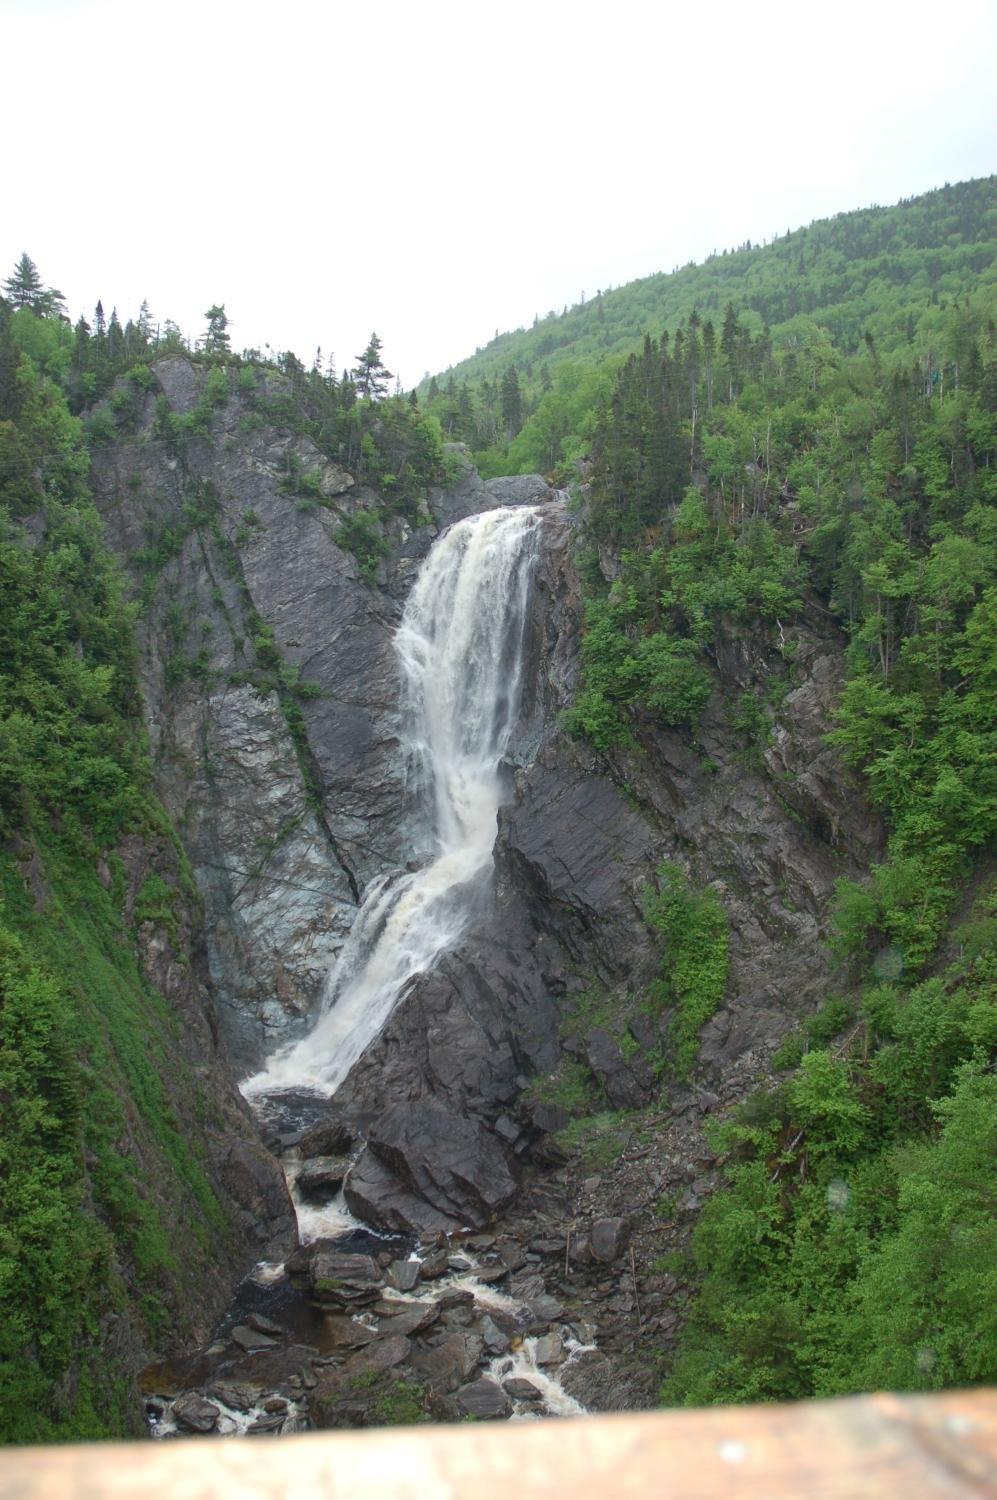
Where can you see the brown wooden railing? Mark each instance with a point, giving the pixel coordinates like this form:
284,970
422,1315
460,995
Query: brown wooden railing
912,1447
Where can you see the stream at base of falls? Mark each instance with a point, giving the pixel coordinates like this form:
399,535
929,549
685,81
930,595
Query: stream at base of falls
363,1328
466,1333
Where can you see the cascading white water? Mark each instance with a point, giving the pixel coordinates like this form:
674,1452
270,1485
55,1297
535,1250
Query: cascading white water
459,647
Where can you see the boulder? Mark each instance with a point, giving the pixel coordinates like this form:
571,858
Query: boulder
263,1324
623,1089
518,489
250,1338
382,1354
521,1389
322,1177
194,1413
271,1423
449,1364
403,1275
484,1399
408,1317
549,1350
496,1341
544,1307
326,1138
434,1265
236,1395
451,1167
607,1239
344,1333
338,1280
490,1274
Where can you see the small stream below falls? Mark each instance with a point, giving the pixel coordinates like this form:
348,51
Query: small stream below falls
432,1316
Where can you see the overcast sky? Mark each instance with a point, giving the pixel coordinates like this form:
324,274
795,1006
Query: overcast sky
440,171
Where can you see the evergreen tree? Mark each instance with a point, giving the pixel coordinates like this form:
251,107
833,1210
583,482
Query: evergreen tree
24,287
115,338
512,403
145,321
370,374
216,339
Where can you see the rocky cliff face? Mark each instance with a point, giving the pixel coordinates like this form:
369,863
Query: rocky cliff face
272,695
270,684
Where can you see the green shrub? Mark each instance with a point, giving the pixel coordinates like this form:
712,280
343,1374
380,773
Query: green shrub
695,957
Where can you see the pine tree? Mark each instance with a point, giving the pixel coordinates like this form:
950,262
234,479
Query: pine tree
24,290
115,338
99,321
512,403
24,287
216,340
145,321
370,374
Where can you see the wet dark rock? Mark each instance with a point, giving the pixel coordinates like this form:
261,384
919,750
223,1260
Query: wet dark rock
322,1177
403,1275
408,1317
435,1265
490,1274
343,1333
326,1138
644,1031
239,1397
521,1389
548,1118
511,1253
496,1340
263,1324
264,1425
484,1400
545,1308
449,1363
422,1168
383,1354
251,1338
453,1296
333,1278
549,1350
195,1414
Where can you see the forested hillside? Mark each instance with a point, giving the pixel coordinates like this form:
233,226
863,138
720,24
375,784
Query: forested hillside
894,274
739,479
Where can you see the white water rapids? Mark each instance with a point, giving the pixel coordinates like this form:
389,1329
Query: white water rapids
459,648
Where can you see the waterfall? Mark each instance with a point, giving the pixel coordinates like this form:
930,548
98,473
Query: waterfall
459,648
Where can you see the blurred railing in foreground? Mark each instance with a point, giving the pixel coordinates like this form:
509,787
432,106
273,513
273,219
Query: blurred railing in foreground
915,1447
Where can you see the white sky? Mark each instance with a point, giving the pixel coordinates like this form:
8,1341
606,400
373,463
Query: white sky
441,170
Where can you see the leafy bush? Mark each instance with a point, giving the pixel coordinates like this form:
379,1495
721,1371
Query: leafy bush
695,958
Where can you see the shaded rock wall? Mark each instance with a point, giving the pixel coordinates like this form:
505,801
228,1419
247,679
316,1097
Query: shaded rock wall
288,800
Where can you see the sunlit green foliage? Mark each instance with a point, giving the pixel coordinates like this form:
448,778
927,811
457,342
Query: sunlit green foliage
694,960
855,1247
